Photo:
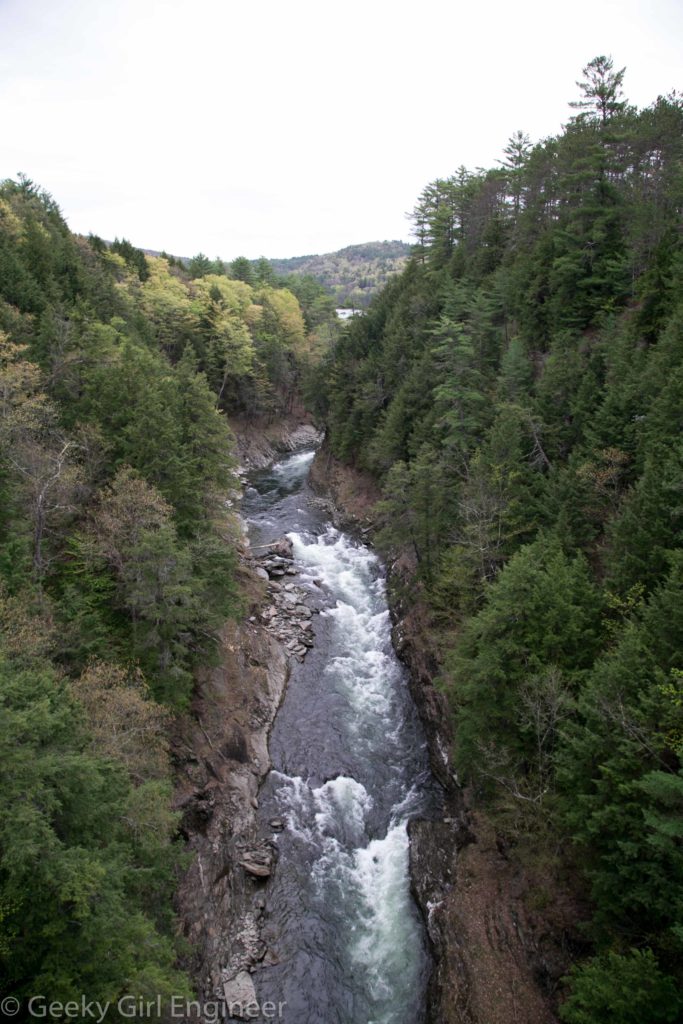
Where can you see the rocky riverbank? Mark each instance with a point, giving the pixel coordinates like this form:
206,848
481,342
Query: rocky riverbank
500,933
220,749
285,615
498,957
258,444
221,753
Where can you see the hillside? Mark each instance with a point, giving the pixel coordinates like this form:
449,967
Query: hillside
354,274
504,425
118,570
517,394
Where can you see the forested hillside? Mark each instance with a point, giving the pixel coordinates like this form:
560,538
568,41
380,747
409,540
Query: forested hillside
352,275
518,390
348,278
117,567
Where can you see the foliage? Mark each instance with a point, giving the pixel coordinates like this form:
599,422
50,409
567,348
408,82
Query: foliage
353,276
517,392
117,570
621,989
73,918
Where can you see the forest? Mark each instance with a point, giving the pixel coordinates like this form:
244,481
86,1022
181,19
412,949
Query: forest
118,564
518,392
350,277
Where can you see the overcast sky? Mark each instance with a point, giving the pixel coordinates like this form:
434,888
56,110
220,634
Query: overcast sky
298,126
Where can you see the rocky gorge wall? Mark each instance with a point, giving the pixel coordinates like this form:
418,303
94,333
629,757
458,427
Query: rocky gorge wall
498,959
258,443
220,752
501,941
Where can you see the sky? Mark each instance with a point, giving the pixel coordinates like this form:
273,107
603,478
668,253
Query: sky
265,127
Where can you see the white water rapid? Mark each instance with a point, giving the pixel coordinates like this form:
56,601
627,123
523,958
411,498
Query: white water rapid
351,770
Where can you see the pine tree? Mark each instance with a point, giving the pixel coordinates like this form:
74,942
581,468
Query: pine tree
601,88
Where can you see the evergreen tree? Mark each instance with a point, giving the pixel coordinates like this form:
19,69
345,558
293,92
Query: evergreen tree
601,88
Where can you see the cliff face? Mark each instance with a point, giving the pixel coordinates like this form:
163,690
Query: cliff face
221,752
257,444
352,494
500,933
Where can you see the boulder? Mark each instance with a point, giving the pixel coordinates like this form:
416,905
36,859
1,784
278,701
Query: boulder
257,870
258,861
282,547
240,996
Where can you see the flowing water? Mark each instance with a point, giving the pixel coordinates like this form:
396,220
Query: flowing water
350,771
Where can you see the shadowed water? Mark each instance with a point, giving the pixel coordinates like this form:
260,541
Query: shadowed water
350,770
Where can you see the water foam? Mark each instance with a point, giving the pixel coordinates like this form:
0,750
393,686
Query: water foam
343,805
292,469
360,877
385,936
366,672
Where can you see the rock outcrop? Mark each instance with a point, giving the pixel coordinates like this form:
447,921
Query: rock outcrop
259,444
349,495
285,614
221,753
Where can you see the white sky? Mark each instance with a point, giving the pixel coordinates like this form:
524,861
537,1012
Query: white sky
284,127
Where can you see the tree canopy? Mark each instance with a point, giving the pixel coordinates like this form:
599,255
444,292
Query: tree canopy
517,394
118,371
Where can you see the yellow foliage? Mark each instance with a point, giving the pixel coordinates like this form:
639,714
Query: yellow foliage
286,307
235,296
9,222
27,630
253,314
235,342
21,399
126,725
115,260
164,298
127,508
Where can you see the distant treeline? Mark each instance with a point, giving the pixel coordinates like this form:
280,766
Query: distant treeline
351,276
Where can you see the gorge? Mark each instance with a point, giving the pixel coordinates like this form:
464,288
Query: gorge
408,745
350,771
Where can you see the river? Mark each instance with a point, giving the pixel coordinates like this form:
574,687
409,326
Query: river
350,769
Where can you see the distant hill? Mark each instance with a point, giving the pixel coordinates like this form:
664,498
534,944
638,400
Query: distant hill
353,274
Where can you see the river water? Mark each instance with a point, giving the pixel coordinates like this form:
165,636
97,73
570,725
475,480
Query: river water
350,770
